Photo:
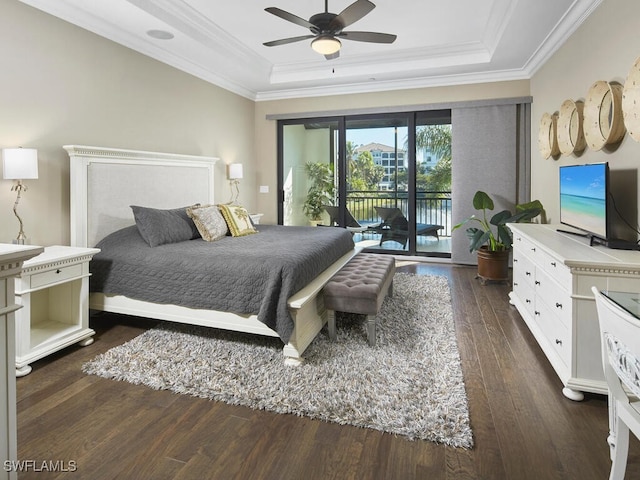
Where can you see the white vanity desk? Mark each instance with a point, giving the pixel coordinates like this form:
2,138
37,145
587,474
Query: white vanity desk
552,278
11,260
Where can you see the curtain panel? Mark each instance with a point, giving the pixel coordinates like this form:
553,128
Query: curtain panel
491,152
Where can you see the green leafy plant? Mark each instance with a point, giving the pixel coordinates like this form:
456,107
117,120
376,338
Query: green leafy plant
493,232
321,191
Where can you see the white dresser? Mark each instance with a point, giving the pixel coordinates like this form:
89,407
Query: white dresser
11,260
553,274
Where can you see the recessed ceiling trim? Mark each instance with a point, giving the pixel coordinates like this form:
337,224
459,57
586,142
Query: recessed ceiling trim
384,86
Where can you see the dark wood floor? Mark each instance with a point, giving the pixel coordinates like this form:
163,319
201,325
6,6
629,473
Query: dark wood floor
523,426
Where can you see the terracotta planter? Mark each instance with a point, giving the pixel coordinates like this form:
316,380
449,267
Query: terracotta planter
493,266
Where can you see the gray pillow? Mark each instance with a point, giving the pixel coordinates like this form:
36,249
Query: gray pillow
158,227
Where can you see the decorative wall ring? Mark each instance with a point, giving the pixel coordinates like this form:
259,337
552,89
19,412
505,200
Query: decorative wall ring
631,101
570,128
603,123
547,138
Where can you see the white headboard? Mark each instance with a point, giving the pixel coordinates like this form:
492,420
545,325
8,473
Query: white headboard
106,181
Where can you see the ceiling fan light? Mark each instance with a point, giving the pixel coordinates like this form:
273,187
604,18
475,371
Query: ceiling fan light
326,45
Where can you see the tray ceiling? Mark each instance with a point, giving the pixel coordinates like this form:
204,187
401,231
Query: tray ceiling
439,42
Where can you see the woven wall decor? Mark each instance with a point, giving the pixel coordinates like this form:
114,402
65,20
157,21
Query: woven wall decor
631,101
603,122
547,136
570,128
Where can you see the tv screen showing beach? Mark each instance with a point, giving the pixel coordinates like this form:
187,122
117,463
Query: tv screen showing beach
583,197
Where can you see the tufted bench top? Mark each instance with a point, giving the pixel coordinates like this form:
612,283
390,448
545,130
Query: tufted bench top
361,285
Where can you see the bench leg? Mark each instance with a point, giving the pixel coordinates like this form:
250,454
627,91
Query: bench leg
390,291
371,330
331,324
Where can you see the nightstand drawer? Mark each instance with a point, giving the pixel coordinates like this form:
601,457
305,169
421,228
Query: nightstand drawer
56,275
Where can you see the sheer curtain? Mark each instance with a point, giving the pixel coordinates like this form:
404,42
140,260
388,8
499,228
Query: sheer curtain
491,152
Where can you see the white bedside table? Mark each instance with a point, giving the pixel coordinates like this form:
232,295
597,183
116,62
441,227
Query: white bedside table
255,217
53,289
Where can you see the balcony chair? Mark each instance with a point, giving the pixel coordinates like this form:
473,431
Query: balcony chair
620,338
395,226
334,219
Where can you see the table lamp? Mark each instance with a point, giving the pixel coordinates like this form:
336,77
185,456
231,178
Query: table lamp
19,164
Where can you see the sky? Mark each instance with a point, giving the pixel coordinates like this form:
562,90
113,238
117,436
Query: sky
379,135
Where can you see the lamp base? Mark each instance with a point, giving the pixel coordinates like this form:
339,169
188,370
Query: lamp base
20,241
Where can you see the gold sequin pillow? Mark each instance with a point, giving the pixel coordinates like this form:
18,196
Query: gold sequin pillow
238,220
209,221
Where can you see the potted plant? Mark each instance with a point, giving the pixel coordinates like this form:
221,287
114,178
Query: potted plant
321,190
491,238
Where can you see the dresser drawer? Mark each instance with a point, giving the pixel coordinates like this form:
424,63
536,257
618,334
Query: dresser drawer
523,265
55,275
556,333
554,295
556,269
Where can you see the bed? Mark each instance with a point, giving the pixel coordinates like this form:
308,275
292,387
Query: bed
284,300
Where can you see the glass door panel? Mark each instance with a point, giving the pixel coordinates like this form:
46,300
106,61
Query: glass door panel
433,182
377,181
308,148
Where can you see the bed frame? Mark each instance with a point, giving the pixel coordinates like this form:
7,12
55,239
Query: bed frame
106,181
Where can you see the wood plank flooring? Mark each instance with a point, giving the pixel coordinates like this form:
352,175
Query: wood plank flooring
524,428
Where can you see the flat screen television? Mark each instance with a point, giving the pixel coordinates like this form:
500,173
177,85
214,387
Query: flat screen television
584,190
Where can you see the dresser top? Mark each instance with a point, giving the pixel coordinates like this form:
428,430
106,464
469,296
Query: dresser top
573,250
11,253
57,253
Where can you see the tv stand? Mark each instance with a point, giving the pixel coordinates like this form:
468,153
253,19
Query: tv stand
577,234
552,279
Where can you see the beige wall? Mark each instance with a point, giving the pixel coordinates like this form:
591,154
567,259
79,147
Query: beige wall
603,48
266,129
62,85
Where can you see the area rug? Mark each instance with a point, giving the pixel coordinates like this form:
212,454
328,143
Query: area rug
410,383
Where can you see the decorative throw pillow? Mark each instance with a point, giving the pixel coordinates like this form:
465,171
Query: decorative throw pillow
158,227
238,220
209,221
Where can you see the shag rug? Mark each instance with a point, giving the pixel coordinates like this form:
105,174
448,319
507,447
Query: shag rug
409,384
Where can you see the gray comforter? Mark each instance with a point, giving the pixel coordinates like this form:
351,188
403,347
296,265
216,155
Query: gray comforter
255,274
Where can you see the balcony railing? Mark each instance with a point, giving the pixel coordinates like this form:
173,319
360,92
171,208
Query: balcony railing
431,207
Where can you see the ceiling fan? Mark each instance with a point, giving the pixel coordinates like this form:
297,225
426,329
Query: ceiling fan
327,28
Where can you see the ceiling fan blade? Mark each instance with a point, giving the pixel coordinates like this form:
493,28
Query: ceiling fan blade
372,37
284,41
289,17
352,13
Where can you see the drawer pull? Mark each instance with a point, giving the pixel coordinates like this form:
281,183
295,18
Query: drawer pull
553,264
528,274
537,313
533,249
515,284
537,282
558,342
58,271
558,305
527,301
515,260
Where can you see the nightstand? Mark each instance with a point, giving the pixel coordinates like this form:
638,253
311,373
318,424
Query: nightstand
255,217
53,290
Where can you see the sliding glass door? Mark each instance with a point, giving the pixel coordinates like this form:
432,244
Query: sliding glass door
308,152
377,172
385,177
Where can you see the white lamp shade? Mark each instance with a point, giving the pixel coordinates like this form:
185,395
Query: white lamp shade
19,163
235,171
326,45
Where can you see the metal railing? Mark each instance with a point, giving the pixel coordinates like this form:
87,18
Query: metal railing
431,207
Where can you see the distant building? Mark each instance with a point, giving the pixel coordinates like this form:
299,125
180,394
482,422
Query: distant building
385,156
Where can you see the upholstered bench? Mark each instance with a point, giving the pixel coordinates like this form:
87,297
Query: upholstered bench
360,287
